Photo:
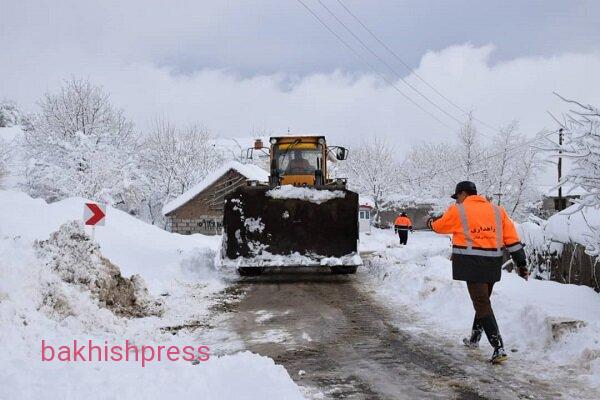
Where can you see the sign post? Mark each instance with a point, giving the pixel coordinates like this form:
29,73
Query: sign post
94,214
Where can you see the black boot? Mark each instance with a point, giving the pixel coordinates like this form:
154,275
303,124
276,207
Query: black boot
476,332
490,326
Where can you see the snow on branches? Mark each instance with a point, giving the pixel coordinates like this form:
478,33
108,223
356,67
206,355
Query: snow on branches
581,131
373,170
175,158
503,168
4,158
80,145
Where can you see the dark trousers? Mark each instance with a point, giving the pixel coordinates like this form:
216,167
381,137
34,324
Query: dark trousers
480,293
403,235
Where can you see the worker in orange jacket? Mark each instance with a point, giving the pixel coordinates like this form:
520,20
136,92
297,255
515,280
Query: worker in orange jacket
402,225
480,231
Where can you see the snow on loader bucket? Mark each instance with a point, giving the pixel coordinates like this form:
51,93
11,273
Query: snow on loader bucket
290,226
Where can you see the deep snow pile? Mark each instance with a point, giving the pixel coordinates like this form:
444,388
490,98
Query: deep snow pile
546,240
576,226
77,260
58,286
136,247
305,193
530,313
572,225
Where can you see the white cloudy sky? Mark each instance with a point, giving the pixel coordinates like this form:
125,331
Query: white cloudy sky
238,66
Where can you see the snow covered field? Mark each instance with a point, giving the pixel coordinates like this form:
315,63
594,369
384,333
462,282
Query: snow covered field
529,313
38,303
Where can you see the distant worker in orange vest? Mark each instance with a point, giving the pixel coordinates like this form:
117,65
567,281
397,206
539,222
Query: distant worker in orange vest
402,225
480,230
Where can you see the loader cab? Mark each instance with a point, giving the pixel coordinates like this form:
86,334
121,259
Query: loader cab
298,160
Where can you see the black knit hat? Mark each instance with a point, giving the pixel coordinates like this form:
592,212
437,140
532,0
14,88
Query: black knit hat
464,186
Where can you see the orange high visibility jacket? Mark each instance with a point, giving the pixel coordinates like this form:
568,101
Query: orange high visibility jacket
479,231
403,223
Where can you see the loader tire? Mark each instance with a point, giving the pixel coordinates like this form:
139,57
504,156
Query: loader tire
344,270
250,271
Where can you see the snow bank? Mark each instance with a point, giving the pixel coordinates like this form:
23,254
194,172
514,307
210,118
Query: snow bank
572,225
54,283
575,226
26,318
135,246
555,247
305,193
419,276
250,171
77,260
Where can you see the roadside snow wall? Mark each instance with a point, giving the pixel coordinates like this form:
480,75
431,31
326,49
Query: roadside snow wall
77,260
564,248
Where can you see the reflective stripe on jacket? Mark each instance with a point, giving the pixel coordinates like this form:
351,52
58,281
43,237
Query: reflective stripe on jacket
479,231
403,223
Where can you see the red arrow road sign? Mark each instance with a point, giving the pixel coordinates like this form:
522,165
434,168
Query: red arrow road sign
93,214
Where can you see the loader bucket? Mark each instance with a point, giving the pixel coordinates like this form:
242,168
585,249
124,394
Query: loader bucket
262,230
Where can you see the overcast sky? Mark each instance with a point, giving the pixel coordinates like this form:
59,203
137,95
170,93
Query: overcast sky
243,66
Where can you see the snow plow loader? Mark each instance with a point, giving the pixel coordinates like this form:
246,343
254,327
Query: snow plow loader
300,217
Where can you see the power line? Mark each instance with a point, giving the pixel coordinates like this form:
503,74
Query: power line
371,67
363,44
409,68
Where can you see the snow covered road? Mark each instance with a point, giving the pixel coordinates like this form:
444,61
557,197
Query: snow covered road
352,337
337,341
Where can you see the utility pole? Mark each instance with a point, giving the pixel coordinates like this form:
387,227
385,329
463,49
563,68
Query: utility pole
560,142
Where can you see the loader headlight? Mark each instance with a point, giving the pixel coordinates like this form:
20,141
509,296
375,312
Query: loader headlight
273,141
321,141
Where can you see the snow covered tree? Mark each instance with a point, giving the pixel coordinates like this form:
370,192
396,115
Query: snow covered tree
503,142
581,130
11,115
373,170
513,165
81,145
470,149
174,159
4,159
428,170
503,169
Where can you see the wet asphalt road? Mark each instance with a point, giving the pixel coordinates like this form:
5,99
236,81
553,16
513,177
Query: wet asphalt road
333,337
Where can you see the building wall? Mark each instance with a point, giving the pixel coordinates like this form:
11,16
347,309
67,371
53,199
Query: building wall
418,215
204,213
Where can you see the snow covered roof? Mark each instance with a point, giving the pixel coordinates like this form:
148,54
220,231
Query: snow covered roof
250,171
365,201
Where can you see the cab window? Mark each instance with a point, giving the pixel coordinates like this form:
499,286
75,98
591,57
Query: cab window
298,161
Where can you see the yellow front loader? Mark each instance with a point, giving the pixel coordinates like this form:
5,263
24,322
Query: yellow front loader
300,218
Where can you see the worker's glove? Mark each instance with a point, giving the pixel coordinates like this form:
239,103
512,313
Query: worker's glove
523,272
429,222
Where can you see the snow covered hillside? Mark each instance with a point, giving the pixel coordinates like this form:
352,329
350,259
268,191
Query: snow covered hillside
57,285
549,327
